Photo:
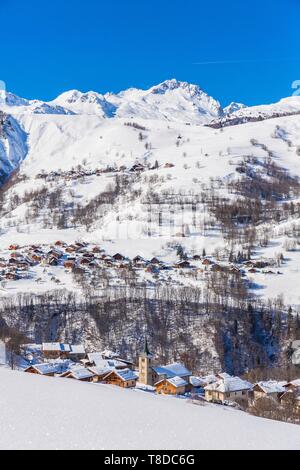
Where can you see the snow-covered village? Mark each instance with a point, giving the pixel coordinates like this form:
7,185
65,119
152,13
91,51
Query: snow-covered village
149,228
107,367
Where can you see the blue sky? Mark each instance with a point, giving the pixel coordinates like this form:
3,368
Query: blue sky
235,51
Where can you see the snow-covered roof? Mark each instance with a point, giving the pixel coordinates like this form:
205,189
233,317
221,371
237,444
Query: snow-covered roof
224,375
45,368
271,386
177,382
98,360
126,374
63,347
196,381
231,384
51,347
205,380
81,373
77,349
99,370
56,347
172,370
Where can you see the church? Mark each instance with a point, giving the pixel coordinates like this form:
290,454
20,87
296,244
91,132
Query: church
150,374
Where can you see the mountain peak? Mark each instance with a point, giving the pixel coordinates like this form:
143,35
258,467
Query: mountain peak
233,107
174,84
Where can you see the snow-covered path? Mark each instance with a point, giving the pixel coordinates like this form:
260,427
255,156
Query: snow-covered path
48,413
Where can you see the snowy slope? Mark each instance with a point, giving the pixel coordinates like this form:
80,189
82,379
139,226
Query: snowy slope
89,416
65,141
85,133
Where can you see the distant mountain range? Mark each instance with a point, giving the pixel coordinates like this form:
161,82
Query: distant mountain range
171,100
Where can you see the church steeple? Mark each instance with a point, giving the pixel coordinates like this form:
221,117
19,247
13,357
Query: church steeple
146,373
146,351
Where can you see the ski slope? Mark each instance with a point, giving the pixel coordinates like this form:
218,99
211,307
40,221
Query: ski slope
49,413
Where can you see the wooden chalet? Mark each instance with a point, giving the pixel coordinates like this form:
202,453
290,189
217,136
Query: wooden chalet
60,243
122,378
81,374
119,257
172,386
182,265
76,352
55,350
99,373
206,262
138,261
71,249
271,389
84,262
47,370
11,276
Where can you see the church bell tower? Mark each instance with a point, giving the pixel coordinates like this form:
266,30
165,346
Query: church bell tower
146,374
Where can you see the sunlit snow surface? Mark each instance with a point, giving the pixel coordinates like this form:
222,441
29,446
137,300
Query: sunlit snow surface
53,413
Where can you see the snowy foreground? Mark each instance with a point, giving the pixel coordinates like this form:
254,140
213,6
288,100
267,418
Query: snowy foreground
48,413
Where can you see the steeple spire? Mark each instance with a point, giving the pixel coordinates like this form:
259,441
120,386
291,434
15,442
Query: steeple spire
146,352
146,347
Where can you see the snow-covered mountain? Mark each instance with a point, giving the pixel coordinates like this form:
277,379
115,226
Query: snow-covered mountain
171,100
238,114
16,105
85,103
233,107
